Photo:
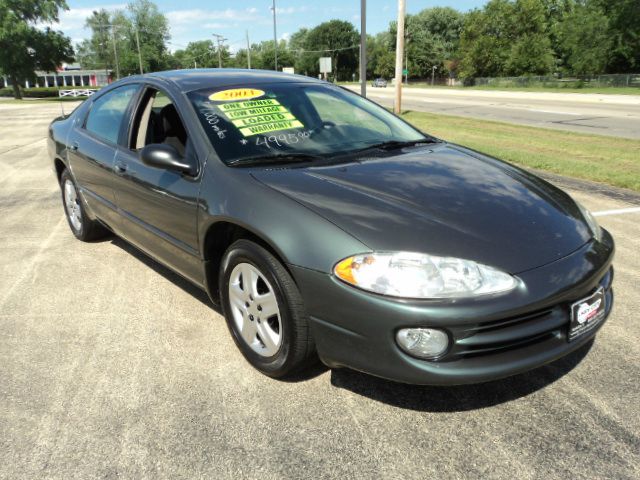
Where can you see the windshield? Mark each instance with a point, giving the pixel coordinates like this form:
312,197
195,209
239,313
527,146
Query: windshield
294,120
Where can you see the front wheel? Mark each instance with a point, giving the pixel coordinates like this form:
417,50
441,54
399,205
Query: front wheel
264,310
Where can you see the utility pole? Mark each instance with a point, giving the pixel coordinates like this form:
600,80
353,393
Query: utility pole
363,48
219,39
248,52
115,51
275,36
397,106
139,53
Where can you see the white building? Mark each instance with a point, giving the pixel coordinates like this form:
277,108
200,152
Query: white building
65,78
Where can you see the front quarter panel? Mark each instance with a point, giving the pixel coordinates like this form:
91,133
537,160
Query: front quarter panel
298,235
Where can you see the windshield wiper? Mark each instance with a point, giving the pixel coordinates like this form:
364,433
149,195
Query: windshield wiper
274,159
392,145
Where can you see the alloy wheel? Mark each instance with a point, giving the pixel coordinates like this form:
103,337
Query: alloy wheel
72,202
255,311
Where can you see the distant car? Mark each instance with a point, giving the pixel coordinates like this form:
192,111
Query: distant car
326,226
379,82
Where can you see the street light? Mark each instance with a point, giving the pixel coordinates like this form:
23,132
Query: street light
275,36
363,48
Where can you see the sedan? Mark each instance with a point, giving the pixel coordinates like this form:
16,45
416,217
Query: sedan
325,227
379,82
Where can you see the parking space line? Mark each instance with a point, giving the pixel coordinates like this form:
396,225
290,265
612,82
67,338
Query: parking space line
620,211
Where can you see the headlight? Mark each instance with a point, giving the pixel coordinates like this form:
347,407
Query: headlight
416,275
596,231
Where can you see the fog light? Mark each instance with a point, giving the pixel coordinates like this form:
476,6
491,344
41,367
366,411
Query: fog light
423,342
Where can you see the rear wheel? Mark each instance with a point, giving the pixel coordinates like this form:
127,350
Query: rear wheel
264,310
81,225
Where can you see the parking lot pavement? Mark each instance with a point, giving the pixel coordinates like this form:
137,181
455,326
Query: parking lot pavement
112,366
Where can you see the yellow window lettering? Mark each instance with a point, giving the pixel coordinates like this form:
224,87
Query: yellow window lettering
226,107
274,117
254,111
236,93
270,127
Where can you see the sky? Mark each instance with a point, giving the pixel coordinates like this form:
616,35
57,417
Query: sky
192,20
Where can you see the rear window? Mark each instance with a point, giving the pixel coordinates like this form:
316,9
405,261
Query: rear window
107,112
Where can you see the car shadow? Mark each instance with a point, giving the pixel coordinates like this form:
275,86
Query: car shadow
167,273
457,398
312,371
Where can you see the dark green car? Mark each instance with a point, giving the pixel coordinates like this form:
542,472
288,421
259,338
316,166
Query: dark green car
325,226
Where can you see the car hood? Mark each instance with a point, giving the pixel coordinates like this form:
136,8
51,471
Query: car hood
444,200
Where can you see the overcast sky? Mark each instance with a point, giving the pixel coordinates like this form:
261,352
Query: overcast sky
197,19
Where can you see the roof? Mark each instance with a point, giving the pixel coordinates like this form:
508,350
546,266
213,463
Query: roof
196,79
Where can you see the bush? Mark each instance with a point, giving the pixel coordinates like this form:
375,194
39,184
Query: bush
37,92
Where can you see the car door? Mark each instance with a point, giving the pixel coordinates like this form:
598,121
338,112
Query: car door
159,206
92,145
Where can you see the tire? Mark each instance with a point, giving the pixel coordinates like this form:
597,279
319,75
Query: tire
81,225
242,302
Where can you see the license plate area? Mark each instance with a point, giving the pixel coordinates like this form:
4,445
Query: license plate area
586,314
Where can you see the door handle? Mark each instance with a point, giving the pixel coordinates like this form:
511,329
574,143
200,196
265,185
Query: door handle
74,146
120,168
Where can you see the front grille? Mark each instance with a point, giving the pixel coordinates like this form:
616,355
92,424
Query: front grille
516,332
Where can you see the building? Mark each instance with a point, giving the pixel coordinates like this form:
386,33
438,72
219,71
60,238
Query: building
67,77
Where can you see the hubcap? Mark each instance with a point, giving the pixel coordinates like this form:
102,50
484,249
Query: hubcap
255,310
72,202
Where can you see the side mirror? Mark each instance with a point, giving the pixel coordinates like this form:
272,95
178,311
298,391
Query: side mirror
161,155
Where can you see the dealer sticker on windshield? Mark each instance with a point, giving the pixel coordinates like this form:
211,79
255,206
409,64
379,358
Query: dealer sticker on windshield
253,117
587,314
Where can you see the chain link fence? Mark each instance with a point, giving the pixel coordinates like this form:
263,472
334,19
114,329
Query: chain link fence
611,80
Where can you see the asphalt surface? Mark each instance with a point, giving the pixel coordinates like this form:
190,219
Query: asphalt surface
616,115
113,367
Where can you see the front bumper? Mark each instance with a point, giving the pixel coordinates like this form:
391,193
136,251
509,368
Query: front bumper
492,337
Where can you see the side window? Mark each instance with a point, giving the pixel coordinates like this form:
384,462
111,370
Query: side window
342,113
158,122
107,113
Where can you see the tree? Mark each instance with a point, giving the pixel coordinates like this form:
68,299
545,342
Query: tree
336,39
25,48
202,53
153,31
584,40
265,58
433,36
506,38
485,40
113,43
304,62
530,52
624,31
97,52
381,56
